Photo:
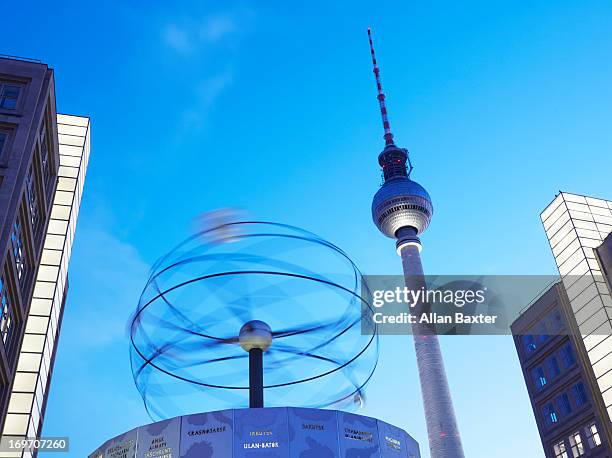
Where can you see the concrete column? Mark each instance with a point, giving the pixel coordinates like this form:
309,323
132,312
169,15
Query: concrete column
444,439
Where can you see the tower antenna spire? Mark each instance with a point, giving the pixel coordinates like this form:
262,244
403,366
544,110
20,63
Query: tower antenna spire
381,95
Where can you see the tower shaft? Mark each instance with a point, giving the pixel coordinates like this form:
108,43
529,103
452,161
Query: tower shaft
444,439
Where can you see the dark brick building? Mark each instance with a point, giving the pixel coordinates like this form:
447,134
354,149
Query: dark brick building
569,412
29,162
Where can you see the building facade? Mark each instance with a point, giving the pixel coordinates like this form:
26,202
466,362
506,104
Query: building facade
559,380
563,339
43,159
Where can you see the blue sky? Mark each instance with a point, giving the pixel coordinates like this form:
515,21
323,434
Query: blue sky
271,107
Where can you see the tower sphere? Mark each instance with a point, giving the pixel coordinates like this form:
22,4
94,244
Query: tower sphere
401,202
255,334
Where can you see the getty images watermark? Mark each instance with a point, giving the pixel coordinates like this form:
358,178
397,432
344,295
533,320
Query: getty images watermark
449,304
413,298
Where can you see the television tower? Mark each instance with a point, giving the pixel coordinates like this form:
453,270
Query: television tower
402,210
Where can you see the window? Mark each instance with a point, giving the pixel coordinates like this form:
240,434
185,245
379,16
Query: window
556,322
539,378
18,250
9,95
580,395
553,367
592,435
565,408
576,444
529,344
6,312
559,449
32,200
550,415
3,139
44,156
567,355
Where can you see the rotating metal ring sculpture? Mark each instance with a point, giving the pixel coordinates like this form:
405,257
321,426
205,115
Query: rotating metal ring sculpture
185,349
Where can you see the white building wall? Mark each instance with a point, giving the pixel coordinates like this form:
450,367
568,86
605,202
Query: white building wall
35,358
575,225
